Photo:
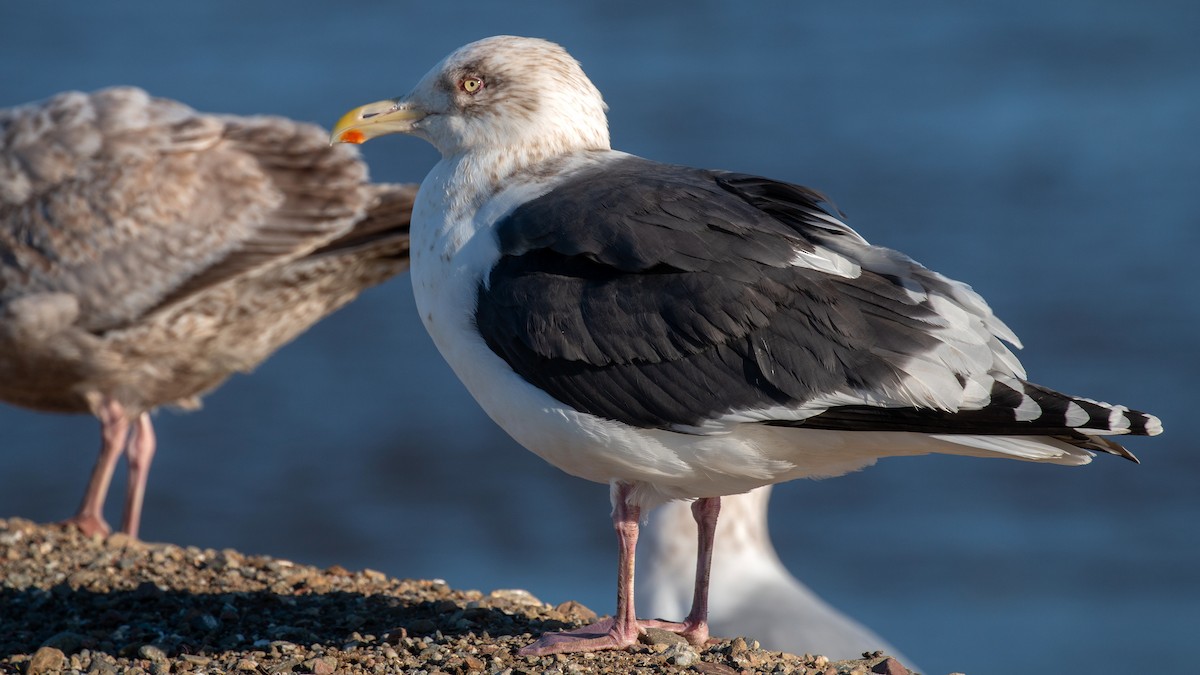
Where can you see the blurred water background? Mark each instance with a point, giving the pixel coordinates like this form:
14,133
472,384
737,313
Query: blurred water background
1046,153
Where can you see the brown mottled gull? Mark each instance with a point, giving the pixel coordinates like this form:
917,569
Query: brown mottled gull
148,251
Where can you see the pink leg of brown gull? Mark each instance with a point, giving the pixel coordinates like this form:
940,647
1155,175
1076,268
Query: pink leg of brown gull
139,453
114,429
622,629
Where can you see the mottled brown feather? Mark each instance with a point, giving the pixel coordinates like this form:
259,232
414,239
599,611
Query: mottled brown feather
148,251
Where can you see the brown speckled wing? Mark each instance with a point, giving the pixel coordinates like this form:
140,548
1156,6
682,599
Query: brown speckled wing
130,203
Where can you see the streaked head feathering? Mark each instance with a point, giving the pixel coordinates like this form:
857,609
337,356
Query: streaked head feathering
500,94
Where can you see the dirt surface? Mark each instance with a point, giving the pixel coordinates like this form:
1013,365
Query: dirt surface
70,603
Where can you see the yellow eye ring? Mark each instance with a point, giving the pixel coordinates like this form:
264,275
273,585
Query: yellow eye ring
471,85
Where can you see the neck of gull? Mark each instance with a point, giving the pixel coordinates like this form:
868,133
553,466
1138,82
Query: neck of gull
469,191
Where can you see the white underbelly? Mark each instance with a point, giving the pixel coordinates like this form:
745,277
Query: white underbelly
662,464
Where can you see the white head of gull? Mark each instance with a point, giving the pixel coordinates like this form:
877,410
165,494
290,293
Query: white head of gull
680,333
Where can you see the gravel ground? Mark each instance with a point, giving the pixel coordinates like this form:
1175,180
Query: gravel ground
70,603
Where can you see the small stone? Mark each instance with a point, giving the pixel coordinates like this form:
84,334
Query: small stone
517,596
324,665
152,653
473,664
739,646
122,540
46,660
196,659
681,655
576,610
890,666
247,664
658,636
820,661
102,667
374,575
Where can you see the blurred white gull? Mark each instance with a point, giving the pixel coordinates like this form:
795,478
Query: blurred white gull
148,251
680,333
751,592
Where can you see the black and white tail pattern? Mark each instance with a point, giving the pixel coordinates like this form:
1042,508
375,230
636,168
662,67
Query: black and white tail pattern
1015,408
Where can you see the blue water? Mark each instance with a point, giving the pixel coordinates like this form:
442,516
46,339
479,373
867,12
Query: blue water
1045,153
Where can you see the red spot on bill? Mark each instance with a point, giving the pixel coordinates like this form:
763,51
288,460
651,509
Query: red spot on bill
352,136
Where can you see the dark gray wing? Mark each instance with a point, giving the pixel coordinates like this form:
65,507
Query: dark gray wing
675,298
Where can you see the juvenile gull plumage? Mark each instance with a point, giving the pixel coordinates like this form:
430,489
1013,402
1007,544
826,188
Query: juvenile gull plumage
686,334
148,251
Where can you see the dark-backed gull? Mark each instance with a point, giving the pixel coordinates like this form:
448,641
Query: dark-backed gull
680,333
148,251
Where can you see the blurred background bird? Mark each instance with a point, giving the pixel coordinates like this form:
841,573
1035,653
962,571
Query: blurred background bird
752,593
148,252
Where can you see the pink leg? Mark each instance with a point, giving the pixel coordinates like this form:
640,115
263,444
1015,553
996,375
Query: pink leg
695,626
139,453
621,630
114,428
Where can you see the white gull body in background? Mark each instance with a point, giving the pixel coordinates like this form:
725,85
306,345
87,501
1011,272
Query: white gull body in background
680,333
148,252
751,592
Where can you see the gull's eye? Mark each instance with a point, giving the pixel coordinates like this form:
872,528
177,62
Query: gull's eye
471,85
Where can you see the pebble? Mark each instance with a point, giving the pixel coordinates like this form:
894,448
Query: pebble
152,653
659,637
681,654
889,666
46,660
326,665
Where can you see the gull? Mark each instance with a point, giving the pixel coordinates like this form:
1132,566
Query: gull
685,334
148,252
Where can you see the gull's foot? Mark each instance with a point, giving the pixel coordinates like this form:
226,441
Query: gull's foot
695,634
603,634
89,524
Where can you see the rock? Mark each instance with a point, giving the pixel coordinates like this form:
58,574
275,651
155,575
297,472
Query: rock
152,653
326,665
658,636
101,666
517,596
681,654
46,660
577,611
890,666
